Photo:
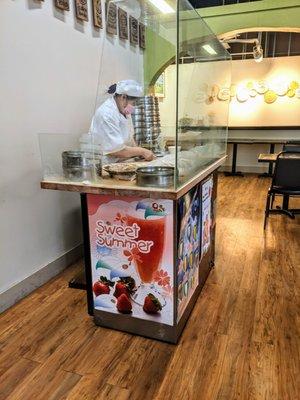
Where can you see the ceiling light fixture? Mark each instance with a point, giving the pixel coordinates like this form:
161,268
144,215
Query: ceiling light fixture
210,50
162,6
258,53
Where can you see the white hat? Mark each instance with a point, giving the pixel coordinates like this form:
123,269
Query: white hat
130,88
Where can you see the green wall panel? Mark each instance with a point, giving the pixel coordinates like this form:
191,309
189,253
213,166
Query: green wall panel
269,14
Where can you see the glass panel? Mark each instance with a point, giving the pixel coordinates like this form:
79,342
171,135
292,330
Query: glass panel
203,95
148,125
69,158
185,75
122,58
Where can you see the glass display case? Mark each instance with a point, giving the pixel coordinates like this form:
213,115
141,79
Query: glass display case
186,76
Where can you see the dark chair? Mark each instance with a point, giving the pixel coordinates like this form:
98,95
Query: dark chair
285,182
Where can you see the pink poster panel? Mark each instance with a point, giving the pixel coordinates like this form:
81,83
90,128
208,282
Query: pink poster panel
131,242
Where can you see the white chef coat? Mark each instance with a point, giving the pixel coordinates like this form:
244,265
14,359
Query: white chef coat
111,130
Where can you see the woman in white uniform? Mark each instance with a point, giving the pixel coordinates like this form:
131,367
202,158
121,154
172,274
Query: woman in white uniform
112,128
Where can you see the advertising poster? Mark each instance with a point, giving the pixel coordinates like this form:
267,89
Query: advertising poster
207,187
131,241
189,217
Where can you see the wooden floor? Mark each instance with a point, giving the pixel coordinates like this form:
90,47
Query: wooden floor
241,341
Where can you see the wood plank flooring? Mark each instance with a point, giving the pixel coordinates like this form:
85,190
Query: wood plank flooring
241,341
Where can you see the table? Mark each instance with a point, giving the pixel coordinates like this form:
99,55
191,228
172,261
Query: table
270,135
236,141
271,158
266,157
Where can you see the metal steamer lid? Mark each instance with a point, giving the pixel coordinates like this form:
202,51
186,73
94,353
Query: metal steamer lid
80,159
156,171
72,154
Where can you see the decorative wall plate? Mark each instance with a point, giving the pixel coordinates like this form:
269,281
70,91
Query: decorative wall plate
212,94
200,96
242,95
209,100
224,94
261,87
280,88
97,13
270,96
134,30
294,85
203,87
291,92
252,93
142,38
62,4
111,17
215,90
81,10
123,24
232,90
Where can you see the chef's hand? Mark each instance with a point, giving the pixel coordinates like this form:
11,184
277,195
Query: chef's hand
147,155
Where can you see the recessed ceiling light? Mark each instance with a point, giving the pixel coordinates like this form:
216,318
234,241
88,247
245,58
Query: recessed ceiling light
209,49
162,6
258,53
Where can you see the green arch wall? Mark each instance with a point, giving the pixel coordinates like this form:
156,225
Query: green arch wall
265,14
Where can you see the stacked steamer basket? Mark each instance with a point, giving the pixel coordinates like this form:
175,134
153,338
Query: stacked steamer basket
146,124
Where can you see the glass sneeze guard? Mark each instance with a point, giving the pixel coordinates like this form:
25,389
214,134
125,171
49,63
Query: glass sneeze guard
183,118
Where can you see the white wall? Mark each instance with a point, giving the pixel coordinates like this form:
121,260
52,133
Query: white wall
195,83
195,79
48,82
284,111
255,111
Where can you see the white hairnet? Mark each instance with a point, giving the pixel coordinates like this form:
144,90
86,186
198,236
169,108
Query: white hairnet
130,88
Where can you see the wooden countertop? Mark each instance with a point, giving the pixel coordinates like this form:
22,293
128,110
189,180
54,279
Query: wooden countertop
124,188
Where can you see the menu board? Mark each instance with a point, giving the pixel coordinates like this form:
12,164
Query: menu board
97,13
131,244
142,41
111,17
207,187
189,244
62,4
134,30
82,10
123,24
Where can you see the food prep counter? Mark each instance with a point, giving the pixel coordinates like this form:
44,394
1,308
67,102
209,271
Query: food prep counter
147,251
